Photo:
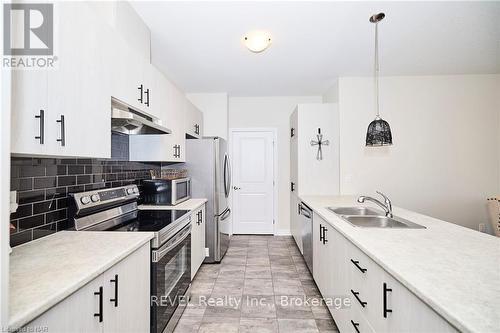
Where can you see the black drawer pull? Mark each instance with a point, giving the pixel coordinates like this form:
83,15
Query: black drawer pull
292,186
386,290
115,281
320,233
325,229
355,293
41,137
356,263
355,325
99,314
292,132
141,90
62,140
147,97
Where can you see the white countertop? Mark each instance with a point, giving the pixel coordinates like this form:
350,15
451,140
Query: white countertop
45,271
190,204
455,270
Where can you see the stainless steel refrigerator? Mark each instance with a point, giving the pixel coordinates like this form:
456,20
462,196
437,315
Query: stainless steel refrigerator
210,171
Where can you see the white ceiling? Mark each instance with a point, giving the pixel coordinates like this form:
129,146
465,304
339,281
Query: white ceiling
198,44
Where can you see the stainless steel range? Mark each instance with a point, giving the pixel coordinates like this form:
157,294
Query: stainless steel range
115,209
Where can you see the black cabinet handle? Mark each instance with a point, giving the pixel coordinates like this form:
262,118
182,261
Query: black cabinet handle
292,186
41,136
386,290
62,140
356,263
325,229
355,325
292,132
115,281
99,314
141,89
363,304
320,233
147,97
177,151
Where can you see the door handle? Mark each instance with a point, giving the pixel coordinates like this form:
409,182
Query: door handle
62,140
115,281
99,314
292,186
356,294
236,188
320,233
41,136
355,325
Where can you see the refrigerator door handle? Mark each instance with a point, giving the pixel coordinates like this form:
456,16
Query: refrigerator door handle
225,214
227,176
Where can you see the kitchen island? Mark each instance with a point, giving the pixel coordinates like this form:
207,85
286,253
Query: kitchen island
452,269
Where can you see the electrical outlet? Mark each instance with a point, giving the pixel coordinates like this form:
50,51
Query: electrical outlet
207,252
482,227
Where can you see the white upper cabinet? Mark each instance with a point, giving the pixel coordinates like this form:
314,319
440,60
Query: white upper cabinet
193,121
66,112
72,98
165,147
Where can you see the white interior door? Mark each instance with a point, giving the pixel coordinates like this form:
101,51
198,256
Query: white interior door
253,174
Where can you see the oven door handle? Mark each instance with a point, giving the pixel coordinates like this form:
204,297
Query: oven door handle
160,253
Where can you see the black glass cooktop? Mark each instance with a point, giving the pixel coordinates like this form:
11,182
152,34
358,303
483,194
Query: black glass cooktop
146,220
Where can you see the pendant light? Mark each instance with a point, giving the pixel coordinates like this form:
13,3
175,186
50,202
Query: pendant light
379,131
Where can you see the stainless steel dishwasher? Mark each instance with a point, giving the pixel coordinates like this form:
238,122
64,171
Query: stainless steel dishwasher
306,219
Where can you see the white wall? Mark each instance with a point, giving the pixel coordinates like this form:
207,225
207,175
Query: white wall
445,157
332,94
4,194
215,112
245,112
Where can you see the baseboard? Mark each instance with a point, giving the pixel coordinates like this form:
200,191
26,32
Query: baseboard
282,232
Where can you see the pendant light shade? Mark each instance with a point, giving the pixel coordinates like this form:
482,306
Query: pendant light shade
379,131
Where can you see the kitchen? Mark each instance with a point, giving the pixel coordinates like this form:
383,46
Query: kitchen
235,149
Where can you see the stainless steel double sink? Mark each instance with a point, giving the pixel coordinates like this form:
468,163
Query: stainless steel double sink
365,217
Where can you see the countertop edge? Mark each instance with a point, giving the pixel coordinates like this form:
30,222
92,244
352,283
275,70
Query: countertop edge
17,322
193,203
446,315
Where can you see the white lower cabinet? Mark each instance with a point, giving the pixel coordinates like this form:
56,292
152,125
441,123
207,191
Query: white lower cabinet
197,239
115,301
378,302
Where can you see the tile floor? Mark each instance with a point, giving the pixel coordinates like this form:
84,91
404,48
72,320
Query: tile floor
258,288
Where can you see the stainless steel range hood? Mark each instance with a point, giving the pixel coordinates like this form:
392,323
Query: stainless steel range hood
127,120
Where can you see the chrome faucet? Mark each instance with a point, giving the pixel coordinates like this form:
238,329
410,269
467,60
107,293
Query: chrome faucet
387,206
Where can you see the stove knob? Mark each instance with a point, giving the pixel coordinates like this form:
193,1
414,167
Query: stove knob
130,190
94,197
85,200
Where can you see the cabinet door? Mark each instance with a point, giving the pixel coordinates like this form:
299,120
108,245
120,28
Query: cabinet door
127,293
79,93
166,147
76,313
197,240
29,101
294,221
193,121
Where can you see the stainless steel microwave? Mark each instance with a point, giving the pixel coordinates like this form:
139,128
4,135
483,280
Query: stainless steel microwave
165,191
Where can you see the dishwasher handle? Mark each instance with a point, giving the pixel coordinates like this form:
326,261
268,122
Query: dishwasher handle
305,211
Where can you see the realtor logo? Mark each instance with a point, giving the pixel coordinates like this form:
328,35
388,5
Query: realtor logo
28,29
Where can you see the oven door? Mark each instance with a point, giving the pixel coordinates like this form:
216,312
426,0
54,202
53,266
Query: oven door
181,190
170,280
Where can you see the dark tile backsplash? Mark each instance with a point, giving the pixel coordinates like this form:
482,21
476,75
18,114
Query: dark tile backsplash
43,186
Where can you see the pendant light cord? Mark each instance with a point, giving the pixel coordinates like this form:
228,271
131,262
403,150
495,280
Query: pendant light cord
376,70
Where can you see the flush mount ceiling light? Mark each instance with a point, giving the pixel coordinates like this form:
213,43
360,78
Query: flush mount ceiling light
379,131
257,41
